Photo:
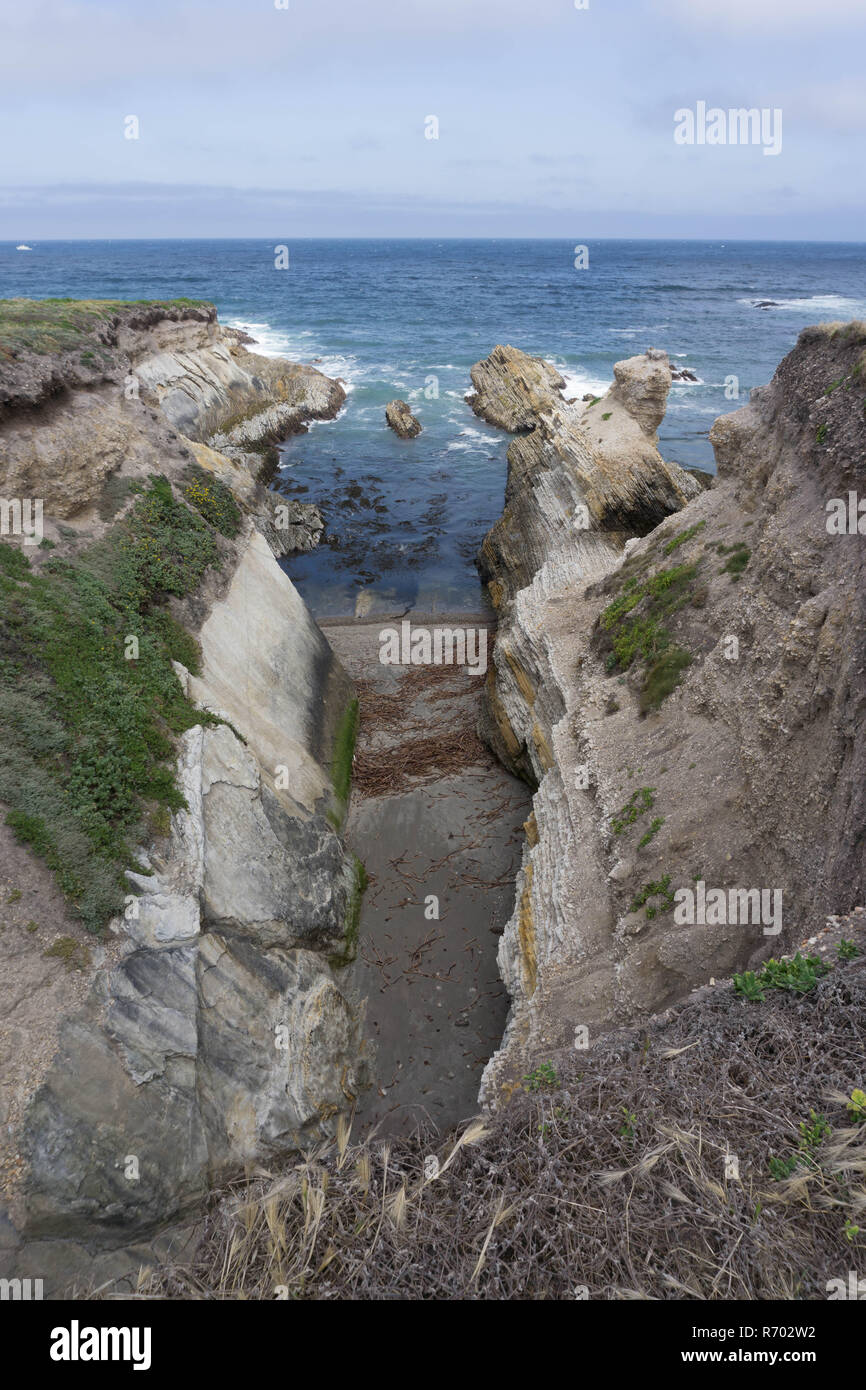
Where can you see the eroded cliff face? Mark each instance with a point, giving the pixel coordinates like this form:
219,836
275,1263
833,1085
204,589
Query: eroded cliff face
689,704
109,391
208,1029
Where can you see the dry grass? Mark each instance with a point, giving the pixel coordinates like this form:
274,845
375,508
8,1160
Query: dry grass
611,1179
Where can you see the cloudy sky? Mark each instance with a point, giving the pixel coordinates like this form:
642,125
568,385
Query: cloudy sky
310,120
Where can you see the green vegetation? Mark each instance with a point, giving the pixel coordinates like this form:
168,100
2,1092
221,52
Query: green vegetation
607,414
739,556
857,1107
353,917
663,677
638,803
660,890
74,954
633,627
543,1076
89,701
821,434
341,766
60,325
846,950
627,1129
215,502
655,826
798,975
682,538
812,1135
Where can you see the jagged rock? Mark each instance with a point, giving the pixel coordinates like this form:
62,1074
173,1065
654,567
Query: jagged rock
71,420
582,481
401,420
513,389
755,765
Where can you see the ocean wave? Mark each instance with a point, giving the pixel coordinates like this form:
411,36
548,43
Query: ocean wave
579,383
639,328
274,342
832,303
472,439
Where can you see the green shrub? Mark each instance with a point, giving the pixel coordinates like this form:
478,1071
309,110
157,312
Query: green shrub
682,538
798,975
215,503
543,1076
642,635
88,733
660,890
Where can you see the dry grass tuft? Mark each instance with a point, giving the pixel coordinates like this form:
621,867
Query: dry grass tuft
612,1178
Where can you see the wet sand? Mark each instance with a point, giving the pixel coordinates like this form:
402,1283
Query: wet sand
432,814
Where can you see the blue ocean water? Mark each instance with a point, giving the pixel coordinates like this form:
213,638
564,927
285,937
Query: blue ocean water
408,319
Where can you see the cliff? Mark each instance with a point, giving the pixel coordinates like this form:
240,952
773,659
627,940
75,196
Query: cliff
175,768
684,691
92,391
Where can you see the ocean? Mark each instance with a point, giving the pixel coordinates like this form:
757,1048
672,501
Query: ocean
404,519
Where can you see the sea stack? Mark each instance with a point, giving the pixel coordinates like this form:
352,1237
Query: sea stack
401,420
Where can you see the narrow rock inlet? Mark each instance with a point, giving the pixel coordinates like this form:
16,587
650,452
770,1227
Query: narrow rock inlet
438,825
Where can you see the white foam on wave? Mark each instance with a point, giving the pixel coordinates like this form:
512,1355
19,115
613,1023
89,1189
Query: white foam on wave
273,342
639,328
472,439
579,383
820,303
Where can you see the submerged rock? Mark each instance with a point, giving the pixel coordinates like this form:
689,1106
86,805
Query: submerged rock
401,420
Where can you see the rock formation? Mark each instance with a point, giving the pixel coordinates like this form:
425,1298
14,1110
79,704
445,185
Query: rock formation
113,387
401,420
689,702
208,1027
513,389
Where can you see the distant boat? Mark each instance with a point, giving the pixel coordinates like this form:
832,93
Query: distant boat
22,247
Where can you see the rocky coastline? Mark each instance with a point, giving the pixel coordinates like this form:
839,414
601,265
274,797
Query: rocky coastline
676,678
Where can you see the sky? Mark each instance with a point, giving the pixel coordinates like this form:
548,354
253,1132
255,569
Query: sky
293,118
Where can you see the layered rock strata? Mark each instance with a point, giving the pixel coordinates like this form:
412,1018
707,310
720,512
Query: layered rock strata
685,691
208,1030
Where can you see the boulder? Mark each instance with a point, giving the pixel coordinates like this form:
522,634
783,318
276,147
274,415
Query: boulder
401,420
